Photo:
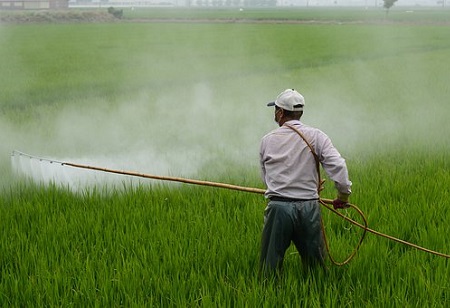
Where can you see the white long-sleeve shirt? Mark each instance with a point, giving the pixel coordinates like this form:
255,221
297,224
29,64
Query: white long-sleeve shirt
288,167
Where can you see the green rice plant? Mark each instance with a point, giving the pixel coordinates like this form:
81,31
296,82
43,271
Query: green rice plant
161,244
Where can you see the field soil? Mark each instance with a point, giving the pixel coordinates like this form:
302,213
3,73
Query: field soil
115,15
63,16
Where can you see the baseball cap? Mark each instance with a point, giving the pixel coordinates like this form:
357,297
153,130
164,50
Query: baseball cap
289,100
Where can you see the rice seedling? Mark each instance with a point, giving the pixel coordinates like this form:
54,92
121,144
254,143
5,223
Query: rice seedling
189,100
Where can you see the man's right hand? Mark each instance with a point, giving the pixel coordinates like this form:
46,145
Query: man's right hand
339,204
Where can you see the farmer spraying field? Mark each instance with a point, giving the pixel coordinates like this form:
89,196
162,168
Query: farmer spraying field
290,156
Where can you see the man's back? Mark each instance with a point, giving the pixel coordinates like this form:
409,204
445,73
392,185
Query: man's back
288,166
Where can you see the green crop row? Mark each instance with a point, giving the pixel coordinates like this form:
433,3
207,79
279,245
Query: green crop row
189,245
188,99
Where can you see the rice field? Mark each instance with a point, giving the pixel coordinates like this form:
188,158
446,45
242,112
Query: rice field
188,99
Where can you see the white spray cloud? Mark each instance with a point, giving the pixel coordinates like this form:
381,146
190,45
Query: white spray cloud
173,134
186,129
370,107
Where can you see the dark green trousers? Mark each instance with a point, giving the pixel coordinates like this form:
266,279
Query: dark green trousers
285,222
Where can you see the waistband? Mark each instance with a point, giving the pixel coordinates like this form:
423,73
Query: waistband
284,199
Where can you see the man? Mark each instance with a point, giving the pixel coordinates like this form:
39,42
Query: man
290,158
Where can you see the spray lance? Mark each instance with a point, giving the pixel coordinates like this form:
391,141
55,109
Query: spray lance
327,203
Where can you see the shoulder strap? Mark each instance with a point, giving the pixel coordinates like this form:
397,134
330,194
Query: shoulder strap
316,158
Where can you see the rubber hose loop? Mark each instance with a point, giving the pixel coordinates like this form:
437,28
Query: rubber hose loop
364,227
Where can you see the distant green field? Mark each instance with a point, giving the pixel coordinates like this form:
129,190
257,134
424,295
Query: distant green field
188,99
326,14
371,14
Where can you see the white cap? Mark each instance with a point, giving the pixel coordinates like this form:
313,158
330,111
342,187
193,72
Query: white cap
289,100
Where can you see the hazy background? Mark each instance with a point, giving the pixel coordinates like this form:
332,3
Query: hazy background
205,125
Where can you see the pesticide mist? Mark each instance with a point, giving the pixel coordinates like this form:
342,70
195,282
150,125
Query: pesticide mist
163,136
168,100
